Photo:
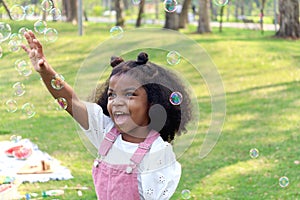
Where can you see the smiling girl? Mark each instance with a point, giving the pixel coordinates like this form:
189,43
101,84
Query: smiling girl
138,112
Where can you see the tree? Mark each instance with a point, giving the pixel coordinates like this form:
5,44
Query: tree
140,15
171,21
6,8
288,19
119,13
70,10
261,20
204,19
183,16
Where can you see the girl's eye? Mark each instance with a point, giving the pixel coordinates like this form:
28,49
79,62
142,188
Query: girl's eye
111,95
129,94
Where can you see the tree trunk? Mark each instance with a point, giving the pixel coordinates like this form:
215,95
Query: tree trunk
288,19
261,20
236,11
183,16
70,10
119,13
204,19
221,18
140,15
172,20
6,8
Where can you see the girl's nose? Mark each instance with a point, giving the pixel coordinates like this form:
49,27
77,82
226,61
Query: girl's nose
118,101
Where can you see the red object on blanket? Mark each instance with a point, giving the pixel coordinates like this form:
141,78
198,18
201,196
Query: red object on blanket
9,152
22,153
4,187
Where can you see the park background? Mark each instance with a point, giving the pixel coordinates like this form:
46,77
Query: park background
257,60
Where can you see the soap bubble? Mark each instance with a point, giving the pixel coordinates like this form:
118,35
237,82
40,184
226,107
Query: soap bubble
29,10
40,26
14,44
220,2
170,5
254,153
136,2
19,89
56,13
23,67
50,35
284,181
46,5
62,102
22,30
11,106
5,31
186,194
28,110
17,12
173,58
116,32
176,98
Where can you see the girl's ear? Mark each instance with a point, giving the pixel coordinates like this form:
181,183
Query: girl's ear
114,61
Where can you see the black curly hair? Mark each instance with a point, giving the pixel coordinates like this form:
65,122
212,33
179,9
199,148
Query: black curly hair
159,83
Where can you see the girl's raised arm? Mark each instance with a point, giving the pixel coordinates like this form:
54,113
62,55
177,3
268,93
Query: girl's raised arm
75,107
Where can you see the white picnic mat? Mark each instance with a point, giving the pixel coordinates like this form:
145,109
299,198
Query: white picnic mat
9,166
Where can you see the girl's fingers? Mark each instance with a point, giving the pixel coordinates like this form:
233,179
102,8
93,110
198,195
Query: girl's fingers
38,46
27,50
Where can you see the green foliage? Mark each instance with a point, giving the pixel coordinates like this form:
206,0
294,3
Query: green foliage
261,78
97,11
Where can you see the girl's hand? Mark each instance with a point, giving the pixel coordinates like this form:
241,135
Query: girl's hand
35,51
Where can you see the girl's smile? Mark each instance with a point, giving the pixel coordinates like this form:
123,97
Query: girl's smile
128,105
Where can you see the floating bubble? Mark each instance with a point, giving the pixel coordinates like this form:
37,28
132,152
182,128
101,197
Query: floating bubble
57,82
220,2
23,67
170,5
56,13
17,12
19,89
40,26
62,102
173,58
46,5
50,35
5,31
284,181
11,106
116,32
22,30
176,98
28,110
14,44
136,2
254,153
53,105
1,52
29,10
186,194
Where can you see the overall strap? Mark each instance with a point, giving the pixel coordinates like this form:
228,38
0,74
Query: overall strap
108,141
144,147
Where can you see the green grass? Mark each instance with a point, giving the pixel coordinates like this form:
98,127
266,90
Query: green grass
261,77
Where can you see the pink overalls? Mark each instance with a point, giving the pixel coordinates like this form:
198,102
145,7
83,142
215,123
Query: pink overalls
119,182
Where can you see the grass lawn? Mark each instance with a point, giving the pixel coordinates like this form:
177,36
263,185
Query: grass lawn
261,78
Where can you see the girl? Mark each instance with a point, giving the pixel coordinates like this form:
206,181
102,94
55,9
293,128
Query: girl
136,115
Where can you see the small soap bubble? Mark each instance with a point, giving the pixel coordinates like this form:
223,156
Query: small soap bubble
1,52
56,13
116,32
254,153
19,89
29,10
173,58
5,31
22,30
20,65
220,2
11,106
176,98
13,46
50,35
17,12
284,181
186,194
170,5
46,5
57,82
40,26
136,2
28,110
62,102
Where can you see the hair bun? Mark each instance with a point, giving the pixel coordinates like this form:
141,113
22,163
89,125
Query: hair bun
114,61
142,58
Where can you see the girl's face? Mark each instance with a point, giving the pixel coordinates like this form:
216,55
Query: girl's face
127,104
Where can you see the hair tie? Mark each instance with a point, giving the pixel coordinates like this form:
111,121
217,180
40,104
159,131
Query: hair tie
142,58
114,61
